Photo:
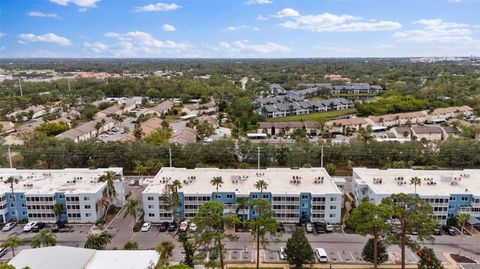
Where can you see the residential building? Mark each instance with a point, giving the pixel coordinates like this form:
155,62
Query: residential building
449,192
150,125
88,130
33,111
305,193
286,106
163,108
61,257
312,89
344,126
201,109
431,133
287,128
276,89
184,136
6,127
37,192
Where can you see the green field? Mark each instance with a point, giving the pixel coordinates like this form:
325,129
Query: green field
315,116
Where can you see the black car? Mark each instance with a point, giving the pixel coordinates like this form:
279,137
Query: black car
164,226
281,228
320,227
3,251
449,230
172,227
37,227
58,226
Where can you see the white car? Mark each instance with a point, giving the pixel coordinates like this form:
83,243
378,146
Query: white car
329,227
28,227
321,255
146,226
183,226
281,253
9,226
132,182
309,227
193,227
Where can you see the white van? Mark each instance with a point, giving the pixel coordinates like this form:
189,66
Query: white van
321,255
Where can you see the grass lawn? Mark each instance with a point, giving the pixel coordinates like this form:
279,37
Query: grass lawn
315,116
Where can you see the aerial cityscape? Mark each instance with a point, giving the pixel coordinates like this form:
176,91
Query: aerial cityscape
266,134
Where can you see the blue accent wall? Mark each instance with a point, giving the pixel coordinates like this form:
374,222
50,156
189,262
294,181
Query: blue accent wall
21,207
60,198
305,205
457,202
181,209
258,195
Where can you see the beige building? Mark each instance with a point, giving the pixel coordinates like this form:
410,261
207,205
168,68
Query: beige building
183,137
161,109
345,125
288,127
88,130
200,109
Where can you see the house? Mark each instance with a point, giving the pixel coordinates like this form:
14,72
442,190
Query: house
150,125
211,120
163,108
290,105
430,133
88,130
113,110
185,136
6,127
200,109
402,132
450,131
287,128
35,112
276,89
344,126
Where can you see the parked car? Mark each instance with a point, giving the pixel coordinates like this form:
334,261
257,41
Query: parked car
281,228
132,182
414,232
3,251
7,227
193,227
164,226
309,227
281,253
37,227
437,230
183,226
146,226
449,230
320,227
328,227
321,255
172,227
58,226
28,227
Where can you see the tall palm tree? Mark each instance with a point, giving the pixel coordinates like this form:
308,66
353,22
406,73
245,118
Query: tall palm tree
12,242
242,205
415,181
165,250
217,182
175,186
105,203
110,177
44,238
12,181
261,185
58,210
462,220
98,242
131,209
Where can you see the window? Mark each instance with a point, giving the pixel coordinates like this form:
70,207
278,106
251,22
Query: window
333,207
304,196
151,215
88,215
218,196
333,199
464,198
304,205
88,206
333,215
150,206
86,198
150,198
265,196
229,196
254,196
453,198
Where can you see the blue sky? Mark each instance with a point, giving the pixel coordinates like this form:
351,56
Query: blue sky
239,28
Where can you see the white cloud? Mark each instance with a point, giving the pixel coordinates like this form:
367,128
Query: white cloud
97,47
337,50
245,48
437,31
168,28
327,22
46,38
42,14
258,2
262,18
80,3
454,1
157,7
383,46
21,42
241,27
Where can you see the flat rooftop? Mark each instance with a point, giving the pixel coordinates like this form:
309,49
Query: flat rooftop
433,182
242,181
55,180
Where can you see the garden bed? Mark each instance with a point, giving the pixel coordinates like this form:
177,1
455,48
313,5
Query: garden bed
461,259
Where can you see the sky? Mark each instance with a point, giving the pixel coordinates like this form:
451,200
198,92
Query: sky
238,28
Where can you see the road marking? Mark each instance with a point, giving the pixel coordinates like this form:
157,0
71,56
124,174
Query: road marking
415,259
339,256
353,257
391,256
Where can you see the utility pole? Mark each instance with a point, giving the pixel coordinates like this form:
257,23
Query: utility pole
20,84
321,156
68,81
10,157
258,158
170,155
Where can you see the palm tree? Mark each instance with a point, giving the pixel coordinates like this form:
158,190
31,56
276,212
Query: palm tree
98,242
12,242
261,185
105,203
131,209
415,181
217,182
165,250
242,205
130,245
110,177
44,238
12,181
462,220
58,211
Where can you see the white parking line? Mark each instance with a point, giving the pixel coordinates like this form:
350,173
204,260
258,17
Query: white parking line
414,258
391,256
353,257
339,256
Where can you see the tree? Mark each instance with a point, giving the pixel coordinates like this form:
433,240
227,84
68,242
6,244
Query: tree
415,181
298,250
217,182
159,136
368,218
204,129
131,209
12,242
170,198
110,177
211,221
58,210
331,169
98,242
52,128
165,250
261,185
428,259
12,181
263,224
462,219
6,266
137,131
375,252
130,245
242,205
189,248
44,238
413,214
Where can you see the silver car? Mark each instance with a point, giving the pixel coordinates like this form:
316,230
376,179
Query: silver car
9,226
